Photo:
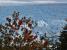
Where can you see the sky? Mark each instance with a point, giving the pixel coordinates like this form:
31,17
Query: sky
32,1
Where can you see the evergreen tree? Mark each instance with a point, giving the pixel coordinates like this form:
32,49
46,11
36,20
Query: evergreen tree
63,38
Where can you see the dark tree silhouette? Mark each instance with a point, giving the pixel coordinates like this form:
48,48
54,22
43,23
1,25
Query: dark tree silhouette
63,38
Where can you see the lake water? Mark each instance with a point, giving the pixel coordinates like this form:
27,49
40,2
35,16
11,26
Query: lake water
52,16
